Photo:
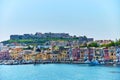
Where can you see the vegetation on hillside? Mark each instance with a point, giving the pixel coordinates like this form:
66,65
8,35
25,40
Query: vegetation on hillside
44,40
38,41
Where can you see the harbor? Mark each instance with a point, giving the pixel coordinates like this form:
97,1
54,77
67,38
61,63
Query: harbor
13,62
59,72
53,54
59,39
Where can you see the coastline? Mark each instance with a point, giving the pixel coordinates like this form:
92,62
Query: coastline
58,62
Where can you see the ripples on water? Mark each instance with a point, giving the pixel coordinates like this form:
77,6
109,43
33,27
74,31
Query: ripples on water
115,72
59,72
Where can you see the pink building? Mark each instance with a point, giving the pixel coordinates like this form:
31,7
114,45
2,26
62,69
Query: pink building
91,52
76,53
106,54
4,55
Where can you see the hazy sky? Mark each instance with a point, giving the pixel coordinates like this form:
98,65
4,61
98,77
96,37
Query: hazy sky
99,19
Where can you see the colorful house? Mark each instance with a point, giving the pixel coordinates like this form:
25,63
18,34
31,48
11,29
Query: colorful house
5,55
91,53
99,55
27,55
85,54
112,54
70,55
64,55
118,54
106,54
15,53
76,54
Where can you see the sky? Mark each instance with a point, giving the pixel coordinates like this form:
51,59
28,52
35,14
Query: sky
99,19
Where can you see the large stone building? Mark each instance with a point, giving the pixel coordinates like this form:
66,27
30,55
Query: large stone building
49,35
40,35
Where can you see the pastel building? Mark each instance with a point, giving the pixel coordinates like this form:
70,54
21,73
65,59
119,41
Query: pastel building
76,53
106,54
112,53
83,54
65,55
55,57
118,54
99,55
70,53
91,53
1,46
27,55
4,55
86,54
15,53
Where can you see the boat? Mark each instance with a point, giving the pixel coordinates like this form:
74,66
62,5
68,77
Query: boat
87,62
94,63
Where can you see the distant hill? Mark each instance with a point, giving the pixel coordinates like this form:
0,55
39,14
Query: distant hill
39,38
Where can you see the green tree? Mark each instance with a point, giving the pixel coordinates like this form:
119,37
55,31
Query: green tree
93,44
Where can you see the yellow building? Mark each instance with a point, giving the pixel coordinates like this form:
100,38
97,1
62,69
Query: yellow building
38,56
64,55
15,53
27,55
112,53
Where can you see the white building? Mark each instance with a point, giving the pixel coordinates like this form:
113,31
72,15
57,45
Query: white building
1,46
118,54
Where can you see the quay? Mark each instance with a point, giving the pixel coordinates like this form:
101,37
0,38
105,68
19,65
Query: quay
13,62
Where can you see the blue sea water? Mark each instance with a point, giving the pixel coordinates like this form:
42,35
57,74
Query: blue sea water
58,72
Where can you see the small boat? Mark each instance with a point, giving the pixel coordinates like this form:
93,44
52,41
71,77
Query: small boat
94,63
87,62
